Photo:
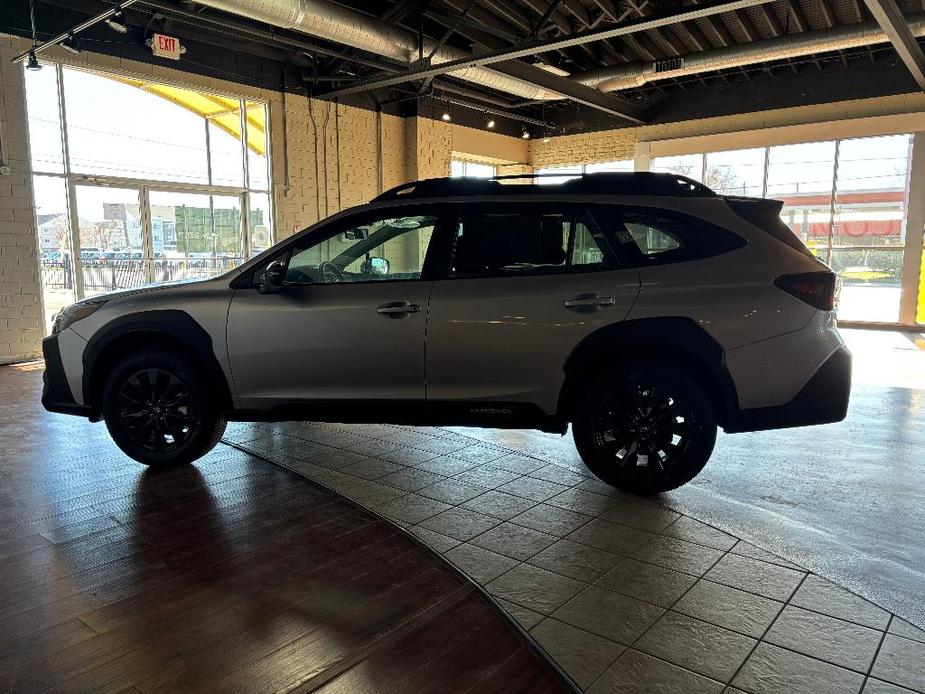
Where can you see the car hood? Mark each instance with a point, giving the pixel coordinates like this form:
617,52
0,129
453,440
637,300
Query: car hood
146,288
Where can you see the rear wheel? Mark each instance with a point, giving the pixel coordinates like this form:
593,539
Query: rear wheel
159,411
647,429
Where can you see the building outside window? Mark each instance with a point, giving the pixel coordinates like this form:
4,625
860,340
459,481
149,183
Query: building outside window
173,184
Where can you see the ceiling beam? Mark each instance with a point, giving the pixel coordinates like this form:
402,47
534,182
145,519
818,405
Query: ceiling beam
569,88
530,48
828,16
799,19
772,21
894,25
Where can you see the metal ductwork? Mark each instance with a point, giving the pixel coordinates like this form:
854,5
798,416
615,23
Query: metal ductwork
341,25
631,75
345,26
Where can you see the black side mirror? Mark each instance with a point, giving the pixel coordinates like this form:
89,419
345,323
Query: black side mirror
271,279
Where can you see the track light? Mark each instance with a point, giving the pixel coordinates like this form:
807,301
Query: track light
117,23
33,63
526,134
490,124
446,117
70,44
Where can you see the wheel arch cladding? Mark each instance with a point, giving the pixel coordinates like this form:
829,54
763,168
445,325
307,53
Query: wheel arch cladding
675,340
171,329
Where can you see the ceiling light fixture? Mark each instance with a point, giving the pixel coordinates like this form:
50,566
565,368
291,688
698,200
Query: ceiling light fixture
526,134
446,117
117,22
490,124
33,63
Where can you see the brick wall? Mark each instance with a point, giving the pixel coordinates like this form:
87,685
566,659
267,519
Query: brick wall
20,294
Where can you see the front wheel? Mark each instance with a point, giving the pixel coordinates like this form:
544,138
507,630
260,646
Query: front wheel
646,430
159,411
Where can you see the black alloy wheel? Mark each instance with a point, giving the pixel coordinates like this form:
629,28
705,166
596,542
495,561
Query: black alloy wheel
157,410
161,409
649,430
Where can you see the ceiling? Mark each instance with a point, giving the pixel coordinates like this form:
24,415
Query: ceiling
235,47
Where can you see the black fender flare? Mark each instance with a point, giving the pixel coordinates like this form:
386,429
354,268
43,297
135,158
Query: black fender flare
174,324
671,338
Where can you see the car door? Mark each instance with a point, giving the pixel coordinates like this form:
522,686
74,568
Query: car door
349,322
526,283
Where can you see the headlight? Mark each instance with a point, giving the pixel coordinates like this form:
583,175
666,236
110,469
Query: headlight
73,313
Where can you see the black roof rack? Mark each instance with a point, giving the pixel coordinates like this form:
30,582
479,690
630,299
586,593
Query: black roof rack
628,183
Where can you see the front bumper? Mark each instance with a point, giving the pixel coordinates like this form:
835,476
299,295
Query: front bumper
56,393
823,400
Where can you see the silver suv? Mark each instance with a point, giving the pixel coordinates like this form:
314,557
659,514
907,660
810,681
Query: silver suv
643,309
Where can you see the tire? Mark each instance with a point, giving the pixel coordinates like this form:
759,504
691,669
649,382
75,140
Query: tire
159,409
646,429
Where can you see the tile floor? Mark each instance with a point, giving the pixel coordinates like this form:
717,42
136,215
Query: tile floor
627,596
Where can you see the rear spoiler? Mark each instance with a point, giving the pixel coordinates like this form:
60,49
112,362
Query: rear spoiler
765,214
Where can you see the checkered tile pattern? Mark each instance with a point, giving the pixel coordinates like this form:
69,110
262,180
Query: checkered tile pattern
626,595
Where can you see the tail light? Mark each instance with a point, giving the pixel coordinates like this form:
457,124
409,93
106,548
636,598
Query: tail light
818,289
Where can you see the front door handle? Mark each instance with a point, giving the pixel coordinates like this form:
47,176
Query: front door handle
592,300
397,309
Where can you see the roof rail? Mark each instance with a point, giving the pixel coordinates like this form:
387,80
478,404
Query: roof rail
624,183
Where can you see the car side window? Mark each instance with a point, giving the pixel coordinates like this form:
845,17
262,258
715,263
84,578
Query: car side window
649,236
376,249
493,241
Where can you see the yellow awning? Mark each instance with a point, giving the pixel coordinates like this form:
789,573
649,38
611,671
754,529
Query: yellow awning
224,112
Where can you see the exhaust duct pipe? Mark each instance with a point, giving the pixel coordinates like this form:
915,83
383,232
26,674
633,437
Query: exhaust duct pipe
345,26
631,75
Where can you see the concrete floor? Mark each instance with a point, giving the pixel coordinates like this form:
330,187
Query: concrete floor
846,500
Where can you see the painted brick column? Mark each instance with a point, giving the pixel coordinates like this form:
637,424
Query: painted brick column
21,320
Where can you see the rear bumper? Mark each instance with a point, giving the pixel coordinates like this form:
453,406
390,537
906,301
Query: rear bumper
823,400
56,393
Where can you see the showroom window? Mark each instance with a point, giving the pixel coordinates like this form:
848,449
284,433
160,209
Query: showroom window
173,184
560,174
471,169
845,199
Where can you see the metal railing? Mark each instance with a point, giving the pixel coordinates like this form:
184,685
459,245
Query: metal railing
103,274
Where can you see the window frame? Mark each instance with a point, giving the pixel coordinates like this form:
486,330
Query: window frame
611,261
630,254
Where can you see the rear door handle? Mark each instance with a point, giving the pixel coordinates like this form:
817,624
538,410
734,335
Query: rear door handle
584,301
397,309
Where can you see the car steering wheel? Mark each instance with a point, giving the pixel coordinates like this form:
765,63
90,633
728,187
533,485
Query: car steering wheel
330,272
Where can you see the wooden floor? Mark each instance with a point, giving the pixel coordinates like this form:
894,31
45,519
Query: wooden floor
232,575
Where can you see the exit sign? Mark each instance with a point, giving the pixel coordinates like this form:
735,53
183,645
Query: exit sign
164,46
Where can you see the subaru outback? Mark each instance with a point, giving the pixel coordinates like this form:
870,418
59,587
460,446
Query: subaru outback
642,309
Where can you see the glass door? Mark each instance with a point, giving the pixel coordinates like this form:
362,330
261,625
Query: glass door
111,235
194,235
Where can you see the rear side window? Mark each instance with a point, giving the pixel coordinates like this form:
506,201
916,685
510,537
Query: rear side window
500,240
645,236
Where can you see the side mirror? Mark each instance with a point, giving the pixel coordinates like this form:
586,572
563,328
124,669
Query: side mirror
378,266
271,279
